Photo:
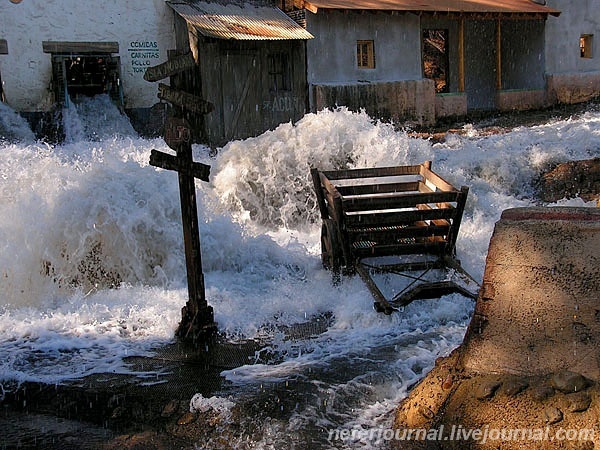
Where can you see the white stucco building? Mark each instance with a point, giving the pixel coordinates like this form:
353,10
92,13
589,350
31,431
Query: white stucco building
48,47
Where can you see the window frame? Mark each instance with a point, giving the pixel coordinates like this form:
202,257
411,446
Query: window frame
365,54
586,46
280,71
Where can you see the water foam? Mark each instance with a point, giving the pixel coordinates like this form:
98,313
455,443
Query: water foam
93,269
13,127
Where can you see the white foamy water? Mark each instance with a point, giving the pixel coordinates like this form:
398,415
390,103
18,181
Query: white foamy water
92,265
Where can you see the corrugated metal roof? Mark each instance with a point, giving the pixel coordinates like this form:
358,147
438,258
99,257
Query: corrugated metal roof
245,22
447,6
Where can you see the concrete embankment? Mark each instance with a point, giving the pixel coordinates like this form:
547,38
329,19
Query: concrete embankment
527,373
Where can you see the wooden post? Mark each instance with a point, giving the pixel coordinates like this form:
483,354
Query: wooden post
197,319
461,55
498,55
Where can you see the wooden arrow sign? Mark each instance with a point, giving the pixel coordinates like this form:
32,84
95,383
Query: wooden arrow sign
186,100
170,67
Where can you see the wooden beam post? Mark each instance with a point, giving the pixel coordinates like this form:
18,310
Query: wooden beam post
461,55
498,55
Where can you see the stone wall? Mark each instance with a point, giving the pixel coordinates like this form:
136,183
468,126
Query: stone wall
573,87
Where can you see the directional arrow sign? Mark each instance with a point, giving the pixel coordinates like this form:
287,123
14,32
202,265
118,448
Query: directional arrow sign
170,67
186,100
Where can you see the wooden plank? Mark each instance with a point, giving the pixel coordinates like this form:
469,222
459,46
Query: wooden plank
3,47
171,67
401,249
431,290
79,47
460,207
356,204
314,173
187,101
171,162
391,233
381,303
438,181
372,172
382,188
397,218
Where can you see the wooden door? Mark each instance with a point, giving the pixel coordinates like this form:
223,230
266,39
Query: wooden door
241,86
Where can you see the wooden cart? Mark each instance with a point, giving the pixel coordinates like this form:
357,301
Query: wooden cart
402,220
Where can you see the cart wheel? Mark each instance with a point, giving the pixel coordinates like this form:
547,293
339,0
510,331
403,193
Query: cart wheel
331,247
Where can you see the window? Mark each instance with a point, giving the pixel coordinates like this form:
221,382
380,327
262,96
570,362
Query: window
435,58
279,72
86,75
585,45
365,54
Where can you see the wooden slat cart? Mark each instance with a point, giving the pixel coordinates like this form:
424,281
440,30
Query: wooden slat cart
400,220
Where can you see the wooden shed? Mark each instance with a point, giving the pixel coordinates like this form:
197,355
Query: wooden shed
251,66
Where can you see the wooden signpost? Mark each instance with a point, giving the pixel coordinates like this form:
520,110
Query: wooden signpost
187,101
171,67
197,319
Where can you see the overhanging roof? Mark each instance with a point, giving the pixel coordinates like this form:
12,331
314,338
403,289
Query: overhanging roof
239,22
445,6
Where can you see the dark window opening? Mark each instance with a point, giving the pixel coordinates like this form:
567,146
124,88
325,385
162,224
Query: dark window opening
279,72
77,76
365,54
585,45
435,58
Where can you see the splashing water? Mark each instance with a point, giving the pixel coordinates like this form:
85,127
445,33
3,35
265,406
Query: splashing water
13,128
92,266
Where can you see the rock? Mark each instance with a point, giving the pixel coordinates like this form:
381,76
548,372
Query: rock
553,415
567,381
186,419
571,179
170,408
542,392
579,401
514,386
426,412
487,389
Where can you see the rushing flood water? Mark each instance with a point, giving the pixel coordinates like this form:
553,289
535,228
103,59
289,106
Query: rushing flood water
92,264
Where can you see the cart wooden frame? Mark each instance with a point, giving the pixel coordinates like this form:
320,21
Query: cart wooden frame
401,210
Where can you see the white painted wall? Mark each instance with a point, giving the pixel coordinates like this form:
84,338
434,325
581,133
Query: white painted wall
331,55
563,32
26,70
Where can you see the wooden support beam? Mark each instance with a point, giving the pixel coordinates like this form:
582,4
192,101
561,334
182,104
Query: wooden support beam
461,55
498,55
79,47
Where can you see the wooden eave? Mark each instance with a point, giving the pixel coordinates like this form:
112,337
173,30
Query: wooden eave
504,9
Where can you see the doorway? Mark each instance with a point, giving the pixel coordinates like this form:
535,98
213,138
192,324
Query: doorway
435,58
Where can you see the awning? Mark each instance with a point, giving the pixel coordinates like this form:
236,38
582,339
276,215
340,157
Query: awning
246,22
438,6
